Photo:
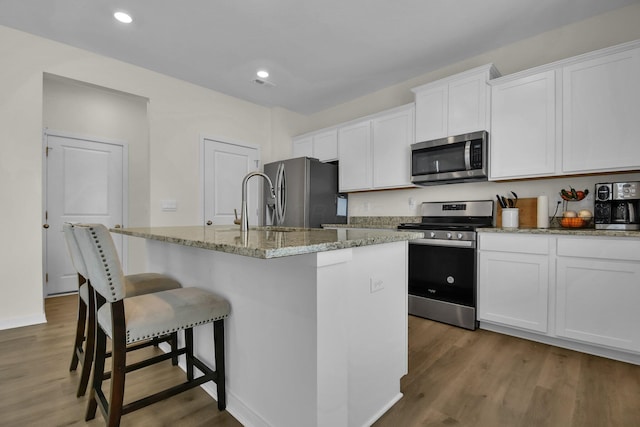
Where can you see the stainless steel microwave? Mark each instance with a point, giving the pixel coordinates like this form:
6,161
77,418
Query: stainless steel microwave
460,158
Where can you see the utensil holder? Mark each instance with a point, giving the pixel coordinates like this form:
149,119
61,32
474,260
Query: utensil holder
510,217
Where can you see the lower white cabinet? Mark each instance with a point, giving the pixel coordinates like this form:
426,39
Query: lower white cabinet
598,291
514,280
580,292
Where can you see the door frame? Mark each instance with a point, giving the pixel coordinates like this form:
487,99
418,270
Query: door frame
203,137
45,190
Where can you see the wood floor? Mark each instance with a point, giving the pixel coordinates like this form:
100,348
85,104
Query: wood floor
456,378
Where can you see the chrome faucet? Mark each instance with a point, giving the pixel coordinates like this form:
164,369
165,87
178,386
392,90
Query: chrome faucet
244,217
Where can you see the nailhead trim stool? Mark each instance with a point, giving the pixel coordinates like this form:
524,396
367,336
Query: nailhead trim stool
136,284
129,320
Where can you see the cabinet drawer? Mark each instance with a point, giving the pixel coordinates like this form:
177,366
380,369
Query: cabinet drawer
623,249
515,243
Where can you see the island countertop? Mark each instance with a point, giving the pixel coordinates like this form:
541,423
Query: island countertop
267,242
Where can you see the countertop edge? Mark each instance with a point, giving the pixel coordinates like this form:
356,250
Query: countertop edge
270,253
564,232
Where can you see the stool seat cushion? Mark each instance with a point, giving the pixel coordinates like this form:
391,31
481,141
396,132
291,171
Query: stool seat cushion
161,313
146,283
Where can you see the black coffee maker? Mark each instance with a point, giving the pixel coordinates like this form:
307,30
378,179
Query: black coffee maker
617,205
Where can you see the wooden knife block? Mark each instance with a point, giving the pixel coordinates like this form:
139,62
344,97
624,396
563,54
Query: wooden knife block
528,213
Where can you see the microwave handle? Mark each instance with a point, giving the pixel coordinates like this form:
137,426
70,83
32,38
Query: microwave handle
467,155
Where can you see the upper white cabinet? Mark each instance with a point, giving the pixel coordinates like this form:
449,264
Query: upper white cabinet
323,145
392,136
455,105
523,127
354,155
574,116
375,152
601,112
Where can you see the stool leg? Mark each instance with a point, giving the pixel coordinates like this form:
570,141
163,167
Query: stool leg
80,326
188,344
98,373
218,340
118,364
89,347
174,348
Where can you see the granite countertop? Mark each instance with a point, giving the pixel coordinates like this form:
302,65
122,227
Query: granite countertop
267,242
565,231
375,222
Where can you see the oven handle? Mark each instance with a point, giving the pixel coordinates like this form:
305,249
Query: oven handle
437,242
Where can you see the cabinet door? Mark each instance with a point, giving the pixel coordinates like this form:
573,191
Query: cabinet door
392,139
523,127
600,113
354,154
431,113
513,289
325,145
302,147
597,301
468,105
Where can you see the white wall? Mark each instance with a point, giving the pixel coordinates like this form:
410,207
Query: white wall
178,113
608,29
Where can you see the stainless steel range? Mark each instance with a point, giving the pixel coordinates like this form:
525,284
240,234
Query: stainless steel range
442,265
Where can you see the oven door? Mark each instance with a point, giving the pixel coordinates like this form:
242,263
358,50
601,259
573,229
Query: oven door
443,270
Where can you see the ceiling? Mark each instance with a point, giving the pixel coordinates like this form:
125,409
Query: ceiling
319,54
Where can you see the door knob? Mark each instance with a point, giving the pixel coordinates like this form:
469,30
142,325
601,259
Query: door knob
116,226
45,225
209,222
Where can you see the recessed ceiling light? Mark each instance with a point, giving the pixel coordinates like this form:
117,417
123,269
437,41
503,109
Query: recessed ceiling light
125,18
263,74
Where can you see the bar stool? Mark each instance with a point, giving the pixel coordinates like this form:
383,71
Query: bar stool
129,320
136,284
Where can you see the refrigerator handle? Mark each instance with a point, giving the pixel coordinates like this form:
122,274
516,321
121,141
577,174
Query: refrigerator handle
281,194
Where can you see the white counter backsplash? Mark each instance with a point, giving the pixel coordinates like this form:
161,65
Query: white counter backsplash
399,202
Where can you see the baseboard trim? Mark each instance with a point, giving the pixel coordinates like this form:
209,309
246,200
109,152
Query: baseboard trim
19,322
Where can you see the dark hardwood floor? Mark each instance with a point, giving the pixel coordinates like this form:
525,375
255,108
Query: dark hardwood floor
456,378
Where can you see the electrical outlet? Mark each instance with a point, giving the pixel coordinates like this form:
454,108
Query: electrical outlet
375,285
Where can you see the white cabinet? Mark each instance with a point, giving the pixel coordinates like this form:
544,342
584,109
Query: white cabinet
601,111
391,141
375,152
354,155
455,105
578,292
598,290
323,145
514,280
523,127
302,147
575,116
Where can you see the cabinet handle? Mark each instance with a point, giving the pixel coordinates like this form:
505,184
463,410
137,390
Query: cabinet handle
209,222
45,225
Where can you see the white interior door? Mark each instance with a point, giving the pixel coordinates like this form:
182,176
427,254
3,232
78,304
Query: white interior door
224,166
85,182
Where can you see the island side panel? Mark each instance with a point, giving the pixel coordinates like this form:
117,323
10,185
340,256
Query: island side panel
315,340
271,334
378,319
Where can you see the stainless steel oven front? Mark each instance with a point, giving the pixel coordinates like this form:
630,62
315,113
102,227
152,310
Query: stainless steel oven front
442,278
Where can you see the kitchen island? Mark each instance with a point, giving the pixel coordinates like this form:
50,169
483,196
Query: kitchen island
318,329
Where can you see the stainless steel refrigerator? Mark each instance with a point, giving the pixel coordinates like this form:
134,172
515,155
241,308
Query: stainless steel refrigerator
306,192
